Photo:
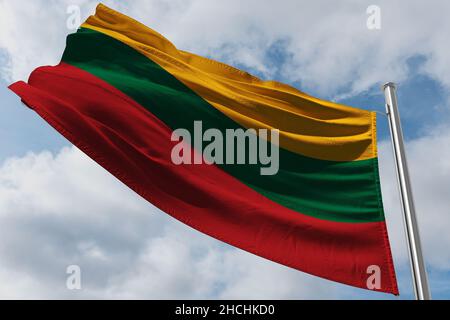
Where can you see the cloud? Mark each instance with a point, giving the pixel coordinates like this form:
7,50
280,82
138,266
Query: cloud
58,209
325,47
430,175
62,209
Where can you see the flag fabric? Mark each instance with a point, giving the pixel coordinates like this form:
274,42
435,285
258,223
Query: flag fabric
122,89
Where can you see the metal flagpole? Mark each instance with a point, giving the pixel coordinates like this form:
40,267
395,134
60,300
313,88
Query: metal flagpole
419,274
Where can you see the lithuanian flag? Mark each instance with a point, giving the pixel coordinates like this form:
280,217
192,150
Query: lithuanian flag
122,89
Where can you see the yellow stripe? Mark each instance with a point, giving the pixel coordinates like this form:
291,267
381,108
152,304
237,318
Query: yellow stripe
308,125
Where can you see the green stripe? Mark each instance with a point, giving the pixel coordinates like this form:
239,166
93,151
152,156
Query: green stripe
338,191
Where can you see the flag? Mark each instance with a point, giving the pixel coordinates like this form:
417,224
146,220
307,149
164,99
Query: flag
122,91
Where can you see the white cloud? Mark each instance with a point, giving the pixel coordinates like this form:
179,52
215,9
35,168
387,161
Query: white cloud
327,46
57,210
63,209
430,174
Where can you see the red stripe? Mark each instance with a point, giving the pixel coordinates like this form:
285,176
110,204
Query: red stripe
135,146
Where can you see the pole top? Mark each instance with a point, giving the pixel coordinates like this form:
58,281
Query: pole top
388,84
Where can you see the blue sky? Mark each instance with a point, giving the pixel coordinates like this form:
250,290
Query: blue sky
35,161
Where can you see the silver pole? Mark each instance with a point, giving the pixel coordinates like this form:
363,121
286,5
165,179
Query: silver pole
419,273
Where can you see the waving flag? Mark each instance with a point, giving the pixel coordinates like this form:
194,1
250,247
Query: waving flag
122,90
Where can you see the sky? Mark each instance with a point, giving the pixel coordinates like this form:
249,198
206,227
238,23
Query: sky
59,208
